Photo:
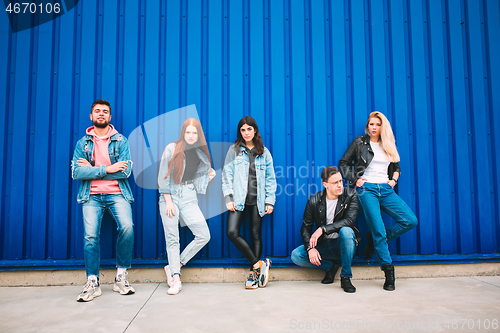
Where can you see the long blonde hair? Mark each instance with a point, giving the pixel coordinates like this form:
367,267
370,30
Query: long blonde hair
386,138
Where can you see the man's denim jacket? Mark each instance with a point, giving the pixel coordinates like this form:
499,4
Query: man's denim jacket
168,186
235,178
118,149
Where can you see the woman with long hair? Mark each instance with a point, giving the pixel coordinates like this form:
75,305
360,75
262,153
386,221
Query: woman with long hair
185,171
249,186
376,172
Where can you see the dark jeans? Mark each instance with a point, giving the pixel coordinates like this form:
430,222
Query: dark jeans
234,220
339,250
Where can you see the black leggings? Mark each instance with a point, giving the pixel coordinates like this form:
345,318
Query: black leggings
234,220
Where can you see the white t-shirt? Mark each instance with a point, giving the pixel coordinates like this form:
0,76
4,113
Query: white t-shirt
376,172
331,205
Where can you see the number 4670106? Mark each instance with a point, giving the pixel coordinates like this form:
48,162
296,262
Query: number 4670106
472,324
33,8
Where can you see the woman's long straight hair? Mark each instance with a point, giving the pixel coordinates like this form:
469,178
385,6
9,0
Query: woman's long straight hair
386,138
177,161
257,139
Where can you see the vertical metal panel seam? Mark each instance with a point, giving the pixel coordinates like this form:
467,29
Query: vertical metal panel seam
494,143
369,57
28,187
287,201
309,102
352,126
411,108
330,157
489,118
429,68
388,61
3,169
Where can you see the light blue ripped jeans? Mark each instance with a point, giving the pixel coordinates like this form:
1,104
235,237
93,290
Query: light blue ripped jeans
186,207
93,211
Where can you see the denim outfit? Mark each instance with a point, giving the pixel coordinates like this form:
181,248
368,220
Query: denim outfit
376,197
340,249
201,178
235,178
118,149
185,199
121,211
95,205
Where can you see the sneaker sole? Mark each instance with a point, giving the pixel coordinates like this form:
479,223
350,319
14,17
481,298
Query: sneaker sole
251,287
264,277
90,297
123,292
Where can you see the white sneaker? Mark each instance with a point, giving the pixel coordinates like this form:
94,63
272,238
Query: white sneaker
175,288
90,290
170,279
122,286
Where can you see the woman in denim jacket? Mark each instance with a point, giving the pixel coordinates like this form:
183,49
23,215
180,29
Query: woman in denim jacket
249,185
376,172
185,170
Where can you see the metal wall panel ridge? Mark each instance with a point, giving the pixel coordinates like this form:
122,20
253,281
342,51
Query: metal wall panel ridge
309,72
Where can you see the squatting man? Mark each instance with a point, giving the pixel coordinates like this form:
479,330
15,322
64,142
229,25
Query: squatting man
334,242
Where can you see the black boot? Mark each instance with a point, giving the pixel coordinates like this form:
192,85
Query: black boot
369,245
389,277
345,283
330,274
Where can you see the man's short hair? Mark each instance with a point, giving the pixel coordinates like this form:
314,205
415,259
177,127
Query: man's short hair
100,102
327,172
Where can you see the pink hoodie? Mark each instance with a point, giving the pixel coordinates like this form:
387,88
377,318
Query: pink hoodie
101,157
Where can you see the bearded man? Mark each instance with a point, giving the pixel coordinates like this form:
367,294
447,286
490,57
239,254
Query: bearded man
102,162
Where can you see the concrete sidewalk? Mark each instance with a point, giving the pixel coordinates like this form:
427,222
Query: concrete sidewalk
467,304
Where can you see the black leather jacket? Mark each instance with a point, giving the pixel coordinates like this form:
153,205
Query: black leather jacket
361,152
345,214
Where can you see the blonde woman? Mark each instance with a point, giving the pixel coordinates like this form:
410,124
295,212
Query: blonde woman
376,172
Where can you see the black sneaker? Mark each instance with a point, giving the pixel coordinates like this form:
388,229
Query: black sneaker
330,274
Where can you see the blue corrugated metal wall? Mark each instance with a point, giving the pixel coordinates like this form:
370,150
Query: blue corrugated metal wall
308,71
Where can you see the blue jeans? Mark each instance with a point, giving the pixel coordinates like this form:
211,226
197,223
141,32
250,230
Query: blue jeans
186,207
339,249
93,211
376,197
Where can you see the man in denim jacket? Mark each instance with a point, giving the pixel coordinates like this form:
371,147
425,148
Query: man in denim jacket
102,162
